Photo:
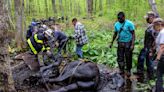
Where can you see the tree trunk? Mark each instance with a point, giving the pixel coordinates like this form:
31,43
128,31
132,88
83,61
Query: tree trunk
79,11
71,7
54,7
39,10
95,7
153,7
6,81
100,7
89,7
46,8
19,6
61,7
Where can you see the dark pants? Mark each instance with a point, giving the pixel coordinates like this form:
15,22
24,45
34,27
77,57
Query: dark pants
160,72
144,54
62,46
124,53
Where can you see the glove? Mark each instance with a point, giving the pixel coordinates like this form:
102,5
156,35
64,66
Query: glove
70,37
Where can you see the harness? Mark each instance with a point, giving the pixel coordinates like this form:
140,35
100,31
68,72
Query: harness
74,70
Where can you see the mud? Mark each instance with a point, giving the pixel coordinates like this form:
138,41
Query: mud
26,81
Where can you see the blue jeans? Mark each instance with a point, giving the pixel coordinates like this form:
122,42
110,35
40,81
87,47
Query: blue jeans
144,54
79,51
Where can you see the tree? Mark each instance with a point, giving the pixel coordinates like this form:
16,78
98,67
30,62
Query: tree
100,7
61,7
19,11
46,8
6,81
153,6
89,7
54,7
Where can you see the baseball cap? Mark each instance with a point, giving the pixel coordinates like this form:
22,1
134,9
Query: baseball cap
158,20
150,14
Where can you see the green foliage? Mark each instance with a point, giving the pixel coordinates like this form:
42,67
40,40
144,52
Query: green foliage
98,49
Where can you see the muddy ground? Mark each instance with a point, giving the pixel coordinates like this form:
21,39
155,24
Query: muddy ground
21,74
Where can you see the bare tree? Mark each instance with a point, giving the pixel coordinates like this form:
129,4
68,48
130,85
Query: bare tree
100,7
46,8
153,6
61,7
6,81
89,7
54,7
71,6
95,7
19,11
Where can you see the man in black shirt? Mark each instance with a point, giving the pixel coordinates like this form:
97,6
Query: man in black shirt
147,52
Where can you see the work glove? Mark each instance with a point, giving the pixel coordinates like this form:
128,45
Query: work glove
70,37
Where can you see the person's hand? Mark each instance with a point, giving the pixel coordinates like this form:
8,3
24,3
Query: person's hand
71,37
132,47
150,54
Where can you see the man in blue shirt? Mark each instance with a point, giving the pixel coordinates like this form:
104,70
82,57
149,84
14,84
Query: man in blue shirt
124,29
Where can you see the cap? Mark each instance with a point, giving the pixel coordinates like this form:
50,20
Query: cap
150,14
33,24
157,20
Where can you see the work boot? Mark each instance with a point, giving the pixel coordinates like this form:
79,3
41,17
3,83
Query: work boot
150,76
128,73
140,77
122,73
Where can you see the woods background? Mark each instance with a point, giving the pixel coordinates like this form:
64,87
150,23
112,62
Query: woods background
97,15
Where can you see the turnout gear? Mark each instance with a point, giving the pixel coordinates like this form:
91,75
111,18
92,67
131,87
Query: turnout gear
36,43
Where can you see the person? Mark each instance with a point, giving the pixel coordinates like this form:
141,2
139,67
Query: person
39,43
32,29
159,27
80,37
59,37
124,29
147,52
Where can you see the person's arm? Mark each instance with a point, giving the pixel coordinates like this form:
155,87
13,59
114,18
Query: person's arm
161,42
114,37
132,30
160,52
133,40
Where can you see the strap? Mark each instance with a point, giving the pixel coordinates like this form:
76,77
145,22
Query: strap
32,47
45,48
37,40
121,30
122,27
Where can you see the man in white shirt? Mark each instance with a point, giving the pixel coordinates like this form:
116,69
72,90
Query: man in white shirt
159,27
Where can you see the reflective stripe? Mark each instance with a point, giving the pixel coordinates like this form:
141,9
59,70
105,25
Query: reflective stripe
43,48
31,46
48,48
37,40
